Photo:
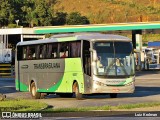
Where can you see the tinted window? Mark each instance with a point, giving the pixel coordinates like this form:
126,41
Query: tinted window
123,47
75,49
50,51
64,50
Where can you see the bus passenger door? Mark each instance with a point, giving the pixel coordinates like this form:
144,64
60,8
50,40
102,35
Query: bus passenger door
86,66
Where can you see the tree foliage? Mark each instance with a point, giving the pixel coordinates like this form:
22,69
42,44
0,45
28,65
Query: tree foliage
43,13
75,18
60,18
6,12
32,13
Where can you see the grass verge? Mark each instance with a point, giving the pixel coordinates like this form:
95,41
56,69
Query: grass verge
108,108
34,105
21,105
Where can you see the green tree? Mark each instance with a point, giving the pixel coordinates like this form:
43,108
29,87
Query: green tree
18,11
60,18
5,11
29,13
75,18
43,12
11,10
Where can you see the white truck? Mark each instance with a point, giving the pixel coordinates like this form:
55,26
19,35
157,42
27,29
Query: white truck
152,58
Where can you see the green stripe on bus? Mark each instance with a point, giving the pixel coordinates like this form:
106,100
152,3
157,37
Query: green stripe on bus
73,68
128,80
66,39
73,71
17,84
22,86
51,89
73,65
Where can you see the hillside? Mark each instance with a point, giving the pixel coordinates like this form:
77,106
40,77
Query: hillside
112,11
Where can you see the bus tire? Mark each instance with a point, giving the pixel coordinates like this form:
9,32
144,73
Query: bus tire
138,68
34,93
78,95
147,66
113,95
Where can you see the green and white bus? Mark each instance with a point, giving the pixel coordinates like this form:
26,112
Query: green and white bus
76,63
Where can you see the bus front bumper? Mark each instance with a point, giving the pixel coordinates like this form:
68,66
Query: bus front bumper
102,88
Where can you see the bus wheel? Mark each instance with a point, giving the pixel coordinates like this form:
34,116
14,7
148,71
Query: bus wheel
34,93
76,91
138,68
113,95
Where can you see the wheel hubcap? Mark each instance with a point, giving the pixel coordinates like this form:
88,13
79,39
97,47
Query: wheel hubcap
33,91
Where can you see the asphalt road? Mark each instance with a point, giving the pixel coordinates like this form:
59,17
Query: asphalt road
147,90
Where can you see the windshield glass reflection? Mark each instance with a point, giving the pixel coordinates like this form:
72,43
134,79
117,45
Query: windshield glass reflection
114,58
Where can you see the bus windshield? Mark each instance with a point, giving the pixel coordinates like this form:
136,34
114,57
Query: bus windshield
114,59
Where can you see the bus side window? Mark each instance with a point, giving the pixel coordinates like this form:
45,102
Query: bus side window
49,50
19,53
37,52
86,58
40,53
31,52
43,51
64,50
24,52
54,50
75,49
28,53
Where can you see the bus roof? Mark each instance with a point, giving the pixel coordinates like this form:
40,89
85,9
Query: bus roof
78,36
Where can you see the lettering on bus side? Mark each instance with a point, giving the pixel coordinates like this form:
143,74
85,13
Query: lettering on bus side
46,65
